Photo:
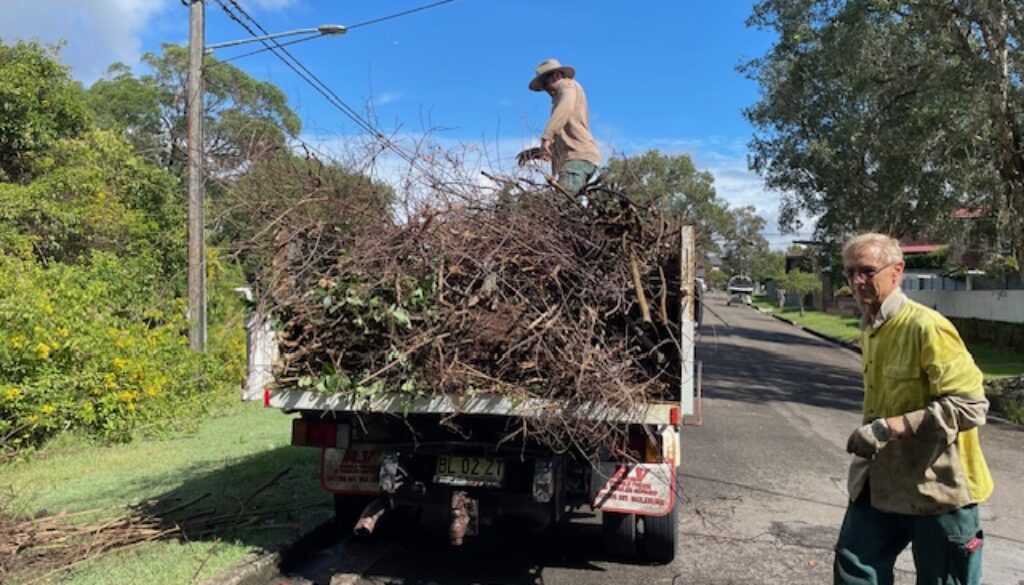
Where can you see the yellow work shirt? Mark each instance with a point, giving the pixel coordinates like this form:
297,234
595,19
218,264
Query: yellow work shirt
915,364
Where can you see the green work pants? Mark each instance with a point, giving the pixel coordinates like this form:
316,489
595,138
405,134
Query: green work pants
947,547
574,174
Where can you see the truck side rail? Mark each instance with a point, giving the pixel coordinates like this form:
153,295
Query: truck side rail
652,412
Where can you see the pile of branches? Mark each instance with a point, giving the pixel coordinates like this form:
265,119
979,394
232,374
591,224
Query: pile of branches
42,547
533,293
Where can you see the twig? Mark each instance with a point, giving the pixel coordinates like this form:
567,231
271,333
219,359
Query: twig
263,486
641,298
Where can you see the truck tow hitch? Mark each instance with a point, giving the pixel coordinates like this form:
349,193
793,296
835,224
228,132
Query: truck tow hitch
464,517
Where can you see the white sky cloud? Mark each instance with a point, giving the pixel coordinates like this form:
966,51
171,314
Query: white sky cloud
388,97
98,32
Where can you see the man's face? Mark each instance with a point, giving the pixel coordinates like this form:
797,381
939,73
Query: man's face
550,79
871,278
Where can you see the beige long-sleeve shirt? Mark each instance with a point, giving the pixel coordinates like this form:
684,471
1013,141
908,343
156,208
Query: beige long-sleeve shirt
569,126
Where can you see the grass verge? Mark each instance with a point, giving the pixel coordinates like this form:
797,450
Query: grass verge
237,464
994,362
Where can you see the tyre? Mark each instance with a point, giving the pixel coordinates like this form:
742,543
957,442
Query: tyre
347,509
619,534
660,536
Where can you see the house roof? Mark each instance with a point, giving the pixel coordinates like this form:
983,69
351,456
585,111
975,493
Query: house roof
920,248
975,213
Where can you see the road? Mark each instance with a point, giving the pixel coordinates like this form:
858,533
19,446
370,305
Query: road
763,485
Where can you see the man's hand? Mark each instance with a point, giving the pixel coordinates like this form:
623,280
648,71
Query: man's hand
530,154
546,146
869,439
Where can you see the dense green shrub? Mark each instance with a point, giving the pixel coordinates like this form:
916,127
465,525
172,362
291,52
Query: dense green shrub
39,104
93,335
83,347
1007,397
935,260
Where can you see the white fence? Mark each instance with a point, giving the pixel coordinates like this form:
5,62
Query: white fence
990,305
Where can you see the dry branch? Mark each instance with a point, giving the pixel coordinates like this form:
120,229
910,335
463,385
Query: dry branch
532,293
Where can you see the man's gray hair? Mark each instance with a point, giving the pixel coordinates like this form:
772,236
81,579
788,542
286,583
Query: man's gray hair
888,249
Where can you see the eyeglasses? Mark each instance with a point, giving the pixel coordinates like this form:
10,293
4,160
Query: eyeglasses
864,272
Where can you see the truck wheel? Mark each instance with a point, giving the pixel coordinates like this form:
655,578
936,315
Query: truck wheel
347,508
619,534
659,538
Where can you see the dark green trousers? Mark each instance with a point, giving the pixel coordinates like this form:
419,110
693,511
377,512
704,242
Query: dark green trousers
574,174
947,548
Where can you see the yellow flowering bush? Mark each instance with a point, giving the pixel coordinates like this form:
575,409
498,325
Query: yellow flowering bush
92,257
76,352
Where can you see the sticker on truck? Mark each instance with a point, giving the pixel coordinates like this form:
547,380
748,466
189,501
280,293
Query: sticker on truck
647,489
355,470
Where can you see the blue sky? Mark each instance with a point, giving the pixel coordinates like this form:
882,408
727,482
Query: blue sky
658,74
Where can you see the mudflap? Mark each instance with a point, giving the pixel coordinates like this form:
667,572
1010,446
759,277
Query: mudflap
355,470
645,489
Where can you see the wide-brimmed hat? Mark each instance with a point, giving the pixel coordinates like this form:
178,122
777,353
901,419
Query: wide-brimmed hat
546,67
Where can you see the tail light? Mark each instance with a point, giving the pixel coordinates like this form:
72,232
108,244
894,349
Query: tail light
320,433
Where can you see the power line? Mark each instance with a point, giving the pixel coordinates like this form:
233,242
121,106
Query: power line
396,15
265,49
311,78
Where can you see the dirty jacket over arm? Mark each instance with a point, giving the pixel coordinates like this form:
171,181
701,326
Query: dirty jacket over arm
569,126
915,364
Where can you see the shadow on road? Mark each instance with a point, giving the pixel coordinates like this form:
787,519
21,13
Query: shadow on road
508,553
739,364
773,336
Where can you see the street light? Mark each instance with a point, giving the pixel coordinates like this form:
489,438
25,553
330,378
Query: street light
196,196
322,30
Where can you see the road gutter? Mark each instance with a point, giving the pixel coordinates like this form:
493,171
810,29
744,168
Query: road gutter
260,567
847,344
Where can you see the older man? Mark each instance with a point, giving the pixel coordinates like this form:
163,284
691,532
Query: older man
918,473
566,140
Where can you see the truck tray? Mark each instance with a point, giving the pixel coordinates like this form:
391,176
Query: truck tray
653,412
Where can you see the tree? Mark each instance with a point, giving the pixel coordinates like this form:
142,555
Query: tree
717,279
801,284
284,196
745,245
766,263
245,118
888,115
130,105
674,182
39,105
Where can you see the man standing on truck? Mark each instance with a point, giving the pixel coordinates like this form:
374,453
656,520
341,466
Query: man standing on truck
919,474
566,140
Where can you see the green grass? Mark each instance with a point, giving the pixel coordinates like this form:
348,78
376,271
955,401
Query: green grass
762,302
997,362
229,457
994,362
842,328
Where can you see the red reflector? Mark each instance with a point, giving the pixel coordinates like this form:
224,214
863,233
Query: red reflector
266,397
322,435
673,415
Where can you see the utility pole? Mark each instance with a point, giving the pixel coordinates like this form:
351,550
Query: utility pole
196,191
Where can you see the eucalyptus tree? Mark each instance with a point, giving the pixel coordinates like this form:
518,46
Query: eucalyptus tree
889,115
245,118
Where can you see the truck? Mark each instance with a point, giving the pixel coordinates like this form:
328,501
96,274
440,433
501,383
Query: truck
458,459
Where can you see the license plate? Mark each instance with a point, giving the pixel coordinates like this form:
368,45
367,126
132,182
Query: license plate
470,471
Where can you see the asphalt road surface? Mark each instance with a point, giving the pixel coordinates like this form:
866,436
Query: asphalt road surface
763,485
